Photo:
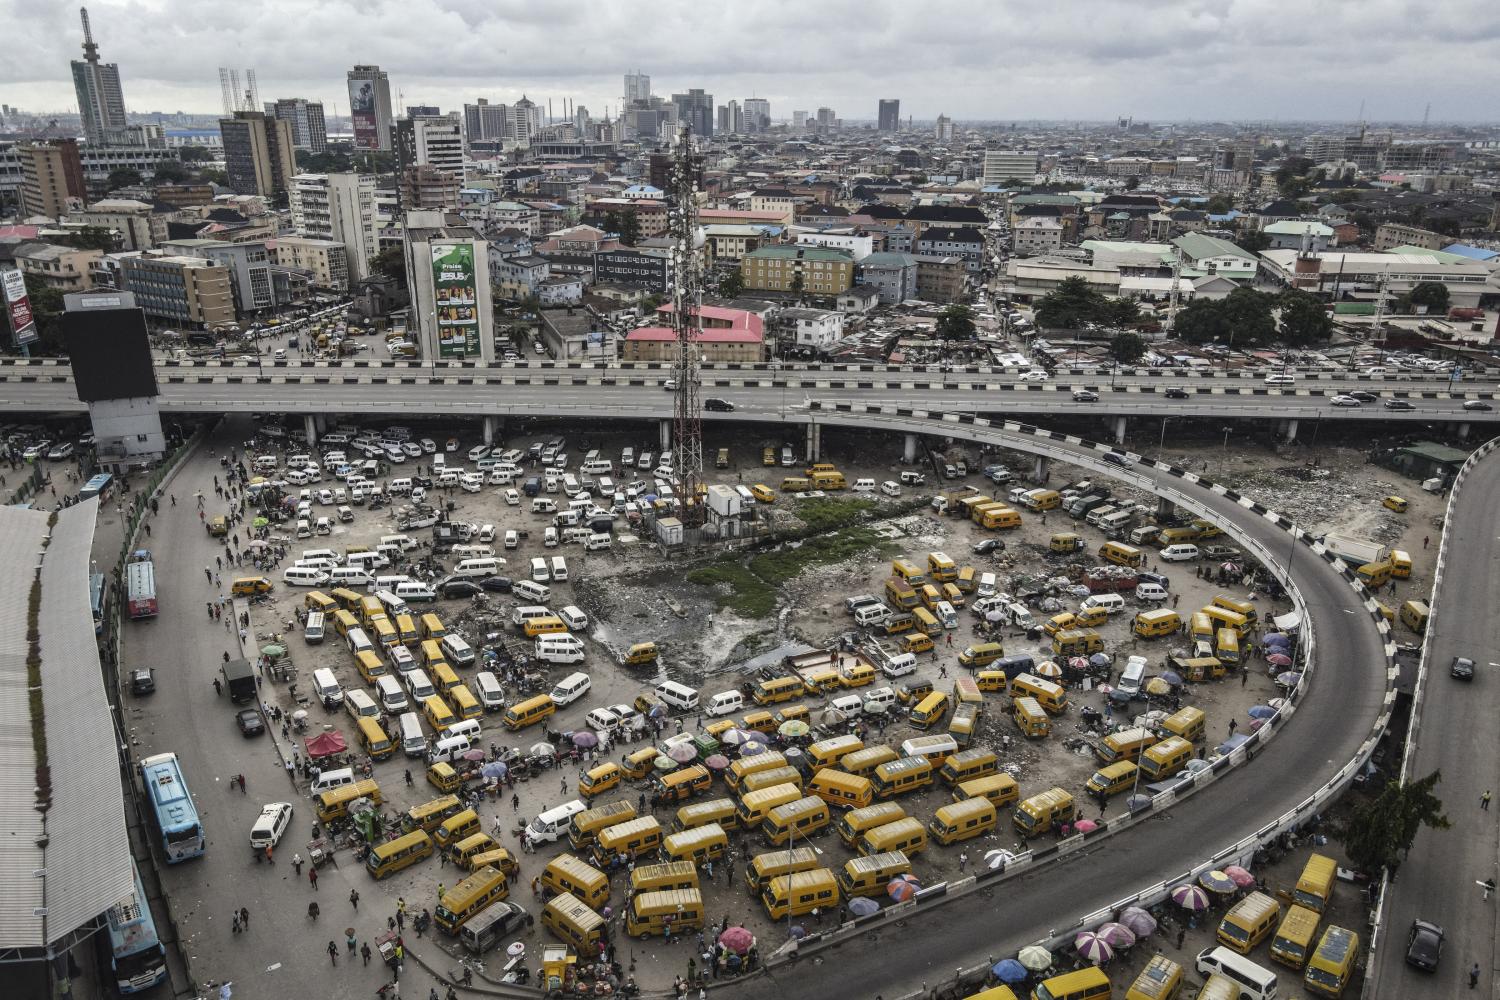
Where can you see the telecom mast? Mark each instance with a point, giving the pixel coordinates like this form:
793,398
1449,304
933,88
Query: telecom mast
687,303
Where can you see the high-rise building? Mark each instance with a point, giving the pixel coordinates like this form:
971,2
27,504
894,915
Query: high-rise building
257,153
52,180
427,187
448,276
436,142
179,291
799,119
637,87
306,119
696,110
101,102
582,124
890,115
485,121
826,118
1001,165
370,107
734,118
944,130
757,114
525,120
341,208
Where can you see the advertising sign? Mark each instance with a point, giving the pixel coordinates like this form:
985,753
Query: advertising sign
18,306
362,112
455,295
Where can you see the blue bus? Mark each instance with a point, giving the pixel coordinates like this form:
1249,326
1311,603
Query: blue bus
98,486
172,805
136,957
96,600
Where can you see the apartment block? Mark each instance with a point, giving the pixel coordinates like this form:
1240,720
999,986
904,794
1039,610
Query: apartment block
138,227
257,153
326,261
341,208
778,268
180,292
52,180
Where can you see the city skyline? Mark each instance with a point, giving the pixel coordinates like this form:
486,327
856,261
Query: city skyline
1018,60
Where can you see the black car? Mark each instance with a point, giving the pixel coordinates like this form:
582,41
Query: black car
989,545
423,481
250,722
720,405
1362,396
1116,458
1462,668
1085,396
1160,579
1398,404
512,917
459,588
1424,945
1176,392
496,584
1477,404
142,681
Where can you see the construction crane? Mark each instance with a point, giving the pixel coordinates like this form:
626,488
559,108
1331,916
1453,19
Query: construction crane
687,305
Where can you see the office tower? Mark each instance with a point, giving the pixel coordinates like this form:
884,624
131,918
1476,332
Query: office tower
306,120
101,103
436,142
448,276
799,119
370,107
257,153
826,118
485,121
525,120
757,114
52,181
944,130
890,115
1003,164
340,208
637,87
582,124
696,110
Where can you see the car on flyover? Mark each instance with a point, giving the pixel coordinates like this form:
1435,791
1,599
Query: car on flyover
1462,668
1399,404
1477,404
1344,400
718,405
1085,396
1035,375
1362,396
1176,392
1424,945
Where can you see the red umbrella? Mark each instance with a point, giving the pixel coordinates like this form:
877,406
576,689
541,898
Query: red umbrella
902,887
1085,826
737,939
325,744
1242,878
716,762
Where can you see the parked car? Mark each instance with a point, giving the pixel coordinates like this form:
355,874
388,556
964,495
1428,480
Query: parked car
143,681
459,588
250,722
1398,404
496,584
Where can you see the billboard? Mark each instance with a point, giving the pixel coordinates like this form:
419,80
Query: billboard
18,307
455,297
364,112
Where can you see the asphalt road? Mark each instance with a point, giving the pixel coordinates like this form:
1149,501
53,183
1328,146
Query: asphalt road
1457,737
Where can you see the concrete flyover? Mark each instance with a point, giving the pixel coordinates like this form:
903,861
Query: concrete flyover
1337,720
1453,732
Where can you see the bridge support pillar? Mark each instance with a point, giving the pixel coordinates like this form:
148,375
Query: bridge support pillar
1291,430
814,441
1119,430
664,429
1463,430
1040,470
488,429
1164,509
909,453
310,428
321,421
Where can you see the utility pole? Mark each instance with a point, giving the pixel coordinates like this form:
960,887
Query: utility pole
687,304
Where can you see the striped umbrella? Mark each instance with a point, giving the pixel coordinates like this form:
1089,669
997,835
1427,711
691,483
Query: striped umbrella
1048,669
1190,897
736,737
902,887
1216,881
1117,935
1093,947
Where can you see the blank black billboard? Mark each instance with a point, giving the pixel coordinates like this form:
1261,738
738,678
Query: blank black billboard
110,352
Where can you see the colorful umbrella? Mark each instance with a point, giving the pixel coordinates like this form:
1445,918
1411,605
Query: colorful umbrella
737,939
1035,957
1190,897
259,522
1009,971
716,762
863,906
1260,711
1172,677
997,859
664,764
1117,935
682,753
1279,660
585,740
752,748
1216,881
494,770
1079,663
793,728
1141,922
1276,639
1048,669
1158,686
902,887
1085,826
736,737
1241,877
1093,948
474,755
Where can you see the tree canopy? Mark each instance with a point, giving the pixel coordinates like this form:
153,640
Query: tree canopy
956,322
731,284
391,263
89,238
46,310
170,172
124,177
1383,829
1074,303
1304,320
1127,347
1432,294
1243,317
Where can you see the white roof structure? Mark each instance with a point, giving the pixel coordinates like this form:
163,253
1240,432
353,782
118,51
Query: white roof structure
62,868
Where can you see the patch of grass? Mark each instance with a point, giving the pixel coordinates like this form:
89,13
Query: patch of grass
832,512
751,590
736,588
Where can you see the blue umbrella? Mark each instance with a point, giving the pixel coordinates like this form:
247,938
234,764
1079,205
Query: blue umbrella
1172,677
1276,639
1234,741
1009,971
1099,660
863,906
494,769
1261,711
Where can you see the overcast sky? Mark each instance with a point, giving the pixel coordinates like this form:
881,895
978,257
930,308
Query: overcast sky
1002,59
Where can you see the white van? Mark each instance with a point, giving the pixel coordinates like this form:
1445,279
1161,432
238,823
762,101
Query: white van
398,486
571,687
596,542
473,551
413,740
572,536
392,698
1150,592
724,703
405,541
559,648
574,618
531,591
304,576
679,696
401,658
553,823
1181,552
347,577
458,652
863,486
890,488
327,688
419,685
850,704
520,616
1111,603
559,567
512,538
871,614
491,694
1020,617
1133,676
451,747
360,705
947,614
879,700
474,569
309,555
415,590
598,466
987,585
312,631
900,665
1274,380
385,592
543,505
330,780
549,538
539,571
304,528
359,641
1255,982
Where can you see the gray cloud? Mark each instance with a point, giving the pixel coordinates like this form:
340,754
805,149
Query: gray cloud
1006,59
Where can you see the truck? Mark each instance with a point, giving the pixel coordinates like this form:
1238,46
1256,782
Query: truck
1110,580
240,680
1355,551
947,503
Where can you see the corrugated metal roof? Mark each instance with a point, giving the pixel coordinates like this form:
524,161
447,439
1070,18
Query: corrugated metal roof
87,858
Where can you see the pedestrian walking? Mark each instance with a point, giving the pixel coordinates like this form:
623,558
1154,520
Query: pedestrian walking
1484,800
333,952
1233,725
408,777
218,687
354,898
245,917
236,922
312,877
1244,677
1181,936
349,941
297,863
963,861
1474,972
364,951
